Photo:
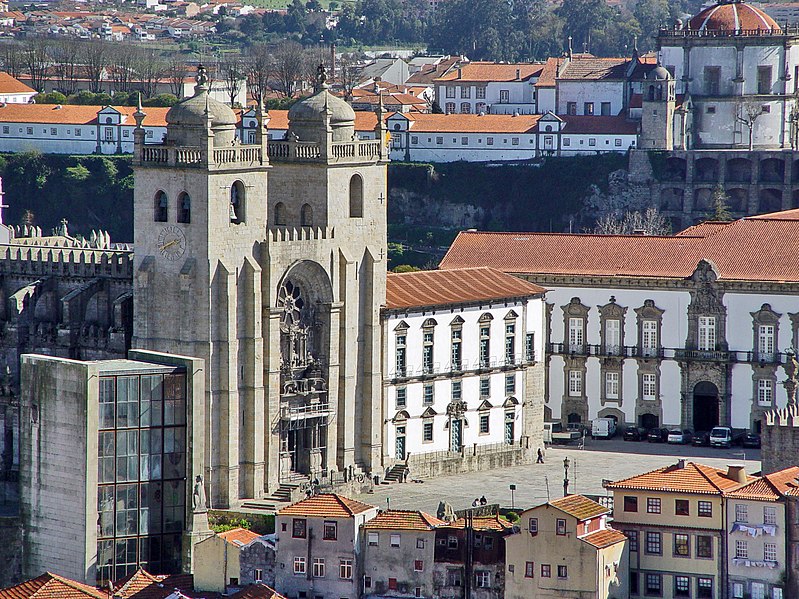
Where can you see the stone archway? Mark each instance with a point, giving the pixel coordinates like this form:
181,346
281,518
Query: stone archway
705,406
648,421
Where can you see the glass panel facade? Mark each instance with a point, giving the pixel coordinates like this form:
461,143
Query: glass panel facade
141,497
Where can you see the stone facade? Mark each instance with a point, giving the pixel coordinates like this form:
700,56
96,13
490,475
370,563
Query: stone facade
780,440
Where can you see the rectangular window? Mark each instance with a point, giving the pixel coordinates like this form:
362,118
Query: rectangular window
299,565
529,347
705,509
617,142
298,528
457,347
482,579
402,397
345,569
588,108
414,140
704,587
457,390
704,546
546,571
649,337
367,582
420,543
560,526
576,334
454,578
737,590
769,515
510,343
427,351
450,91
439,140
575,383
765,392
764,79
427,430
653,505
489,141
770,552
392,584
464,140
741,512
483,424
428,394
418,565
510,384
682,545
514,141
480,93
613,336
765,341
592,141
634,582
504,96
401,349
605,109
259,574
707,333
654,585
330,532
5,130
466,91
682,507
712,77
571,108
682,586
395,540
485,346
649,386
563,572
529,569
567,142
532,526
632,537
654,544
612,385
372,539
485,386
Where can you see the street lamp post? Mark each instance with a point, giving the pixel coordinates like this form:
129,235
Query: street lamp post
565,476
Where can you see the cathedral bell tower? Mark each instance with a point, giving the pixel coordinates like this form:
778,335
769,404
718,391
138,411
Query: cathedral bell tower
658,104
199,217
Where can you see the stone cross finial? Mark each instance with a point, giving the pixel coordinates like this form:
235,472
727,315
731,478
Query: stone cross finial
202,79
321,76
791,370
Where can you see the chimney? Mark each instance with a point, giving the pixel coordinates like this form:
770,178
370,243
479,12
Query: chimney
460,72
680,464
736,472
518,74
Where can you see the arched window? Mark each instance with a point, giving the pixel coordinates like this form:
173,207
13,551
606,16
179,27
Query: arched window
237,202
280,214
651,92
184,208
306,216
356,196
161,207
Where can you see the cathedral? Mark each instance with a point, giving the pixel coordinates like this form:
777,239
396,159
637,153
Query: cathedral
268,261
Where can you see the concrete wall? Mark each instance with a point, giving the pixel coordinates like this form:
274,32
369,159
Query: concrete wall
738,571
11,551
382,561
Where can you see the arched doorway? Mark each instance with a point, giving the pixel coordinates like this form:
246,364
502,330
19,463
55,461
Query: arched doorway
648,421
706,406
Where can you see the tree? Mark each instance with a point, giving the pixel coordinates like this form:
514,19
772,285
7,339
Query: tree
719,202
750,112
11,57
581,18
66,60
96,57
176,75
36,52
258,68
150,67
650,222
231,71
122,59
290,68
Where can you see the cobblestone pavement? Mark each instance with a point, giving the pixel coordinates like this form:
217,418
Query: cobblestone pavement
602,459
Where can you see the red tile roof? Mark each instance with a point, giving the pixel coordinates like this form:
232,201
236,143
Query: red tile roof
326,504
428,288
52,586
72,114
472,123
765,250
492,71
688,478
238,536
599,124
549,73
143,585
593,68
732,16
11,85
580,507
429,73
404,520
604,538
770,487
490,523
257,591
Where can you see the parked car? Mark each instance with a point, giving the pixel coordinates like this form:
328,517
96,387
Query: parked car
634,433
658,435
751,440
721,436
603,428
702,439
679,437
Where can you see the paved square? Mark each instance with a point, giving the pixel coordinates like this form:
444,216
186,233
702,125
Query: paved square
602,459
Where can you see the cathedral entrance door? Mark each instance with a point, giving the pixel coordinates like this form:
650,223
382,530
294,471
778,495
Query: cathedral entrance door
455,437
706,406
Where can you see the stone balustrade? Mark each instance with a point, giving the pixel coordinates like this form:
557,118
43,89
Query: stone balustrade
195,156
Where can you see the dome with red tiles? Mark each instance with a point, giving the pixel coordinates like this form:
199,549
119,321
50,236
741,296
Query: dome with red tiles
732,16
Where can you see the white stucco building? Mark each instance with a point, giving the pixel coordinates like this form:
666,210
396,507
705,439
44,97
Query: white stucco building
462,362
685,330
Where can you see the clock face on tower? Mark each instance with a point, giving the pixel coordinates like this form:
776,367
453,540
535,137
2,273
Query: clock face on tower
171,242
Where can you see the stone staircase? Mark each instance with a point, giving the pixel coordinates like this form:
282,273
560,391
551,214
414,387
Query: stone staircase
396,474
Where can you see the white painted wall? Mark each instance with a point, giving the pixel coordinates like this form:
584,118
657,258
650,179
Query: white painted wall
595,92
58,138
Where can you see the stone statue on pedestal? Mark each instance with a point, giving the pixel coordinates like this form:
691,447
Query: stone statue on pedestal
791,370
198,497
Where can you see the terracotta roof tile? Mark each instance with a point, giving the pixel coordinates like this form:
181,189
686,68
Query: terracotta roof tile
257,591
444,287
491,523
52,586
599,124
604,538
404,520
592,68
549,73
579,506
11,85
430,73
238,536
143,585
473,123
765,249
493,71
770,487
326,504
732,16
72,114
690,478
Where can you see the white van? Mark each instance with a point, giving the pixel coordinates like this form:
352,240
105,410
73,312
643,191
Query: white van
721,436
603,428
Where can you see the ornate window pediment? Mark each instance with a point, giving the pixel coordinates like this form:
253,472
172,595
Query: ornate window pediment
511,315
485,405
510,402
457,321
429,323
487,317
401,416
401,326
429,413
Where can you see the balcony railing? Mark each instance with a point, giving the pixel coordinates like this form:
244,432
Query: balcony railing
667,353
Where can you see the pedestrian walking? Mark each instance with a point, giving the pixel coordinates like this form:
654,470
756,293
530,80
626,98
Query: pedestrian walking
540,459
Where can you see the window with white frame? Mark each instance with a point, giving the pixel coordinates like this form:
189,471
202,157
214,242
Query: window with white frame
741,549
485,344
318,567
427,349
482,579
612,385
427,430
480,92
372,539
707,333
450,93
450,108
484,423
765,392
737,590
649,337
770,552
575,383
466,91
576,334
457,348
529,347
395,540
741,512
769,515
649,386
613,336
402,397
401,350
299,565
428,394
345,569
510,343
765,341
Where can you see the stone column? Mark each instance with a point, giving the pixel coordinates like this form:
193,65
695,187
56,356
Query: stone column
332,441
271,344
350,345
371,405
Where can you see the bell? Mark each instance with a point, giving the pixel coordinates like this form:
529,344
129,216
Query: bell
233,212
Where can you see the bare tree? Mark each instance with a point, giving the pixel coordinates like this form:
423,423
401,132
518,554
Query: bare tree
66,54
36,54
96,58
259,65
231,72
750,112
291,67
176,74
122,60
12,58
650,222
150,68
348,73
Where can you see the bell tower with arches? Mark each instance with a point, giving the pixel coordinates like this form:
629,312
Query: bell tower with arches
657,113
199,217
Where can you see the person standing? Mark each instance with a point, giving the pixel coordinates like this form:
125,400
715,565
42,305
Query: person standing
540,459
